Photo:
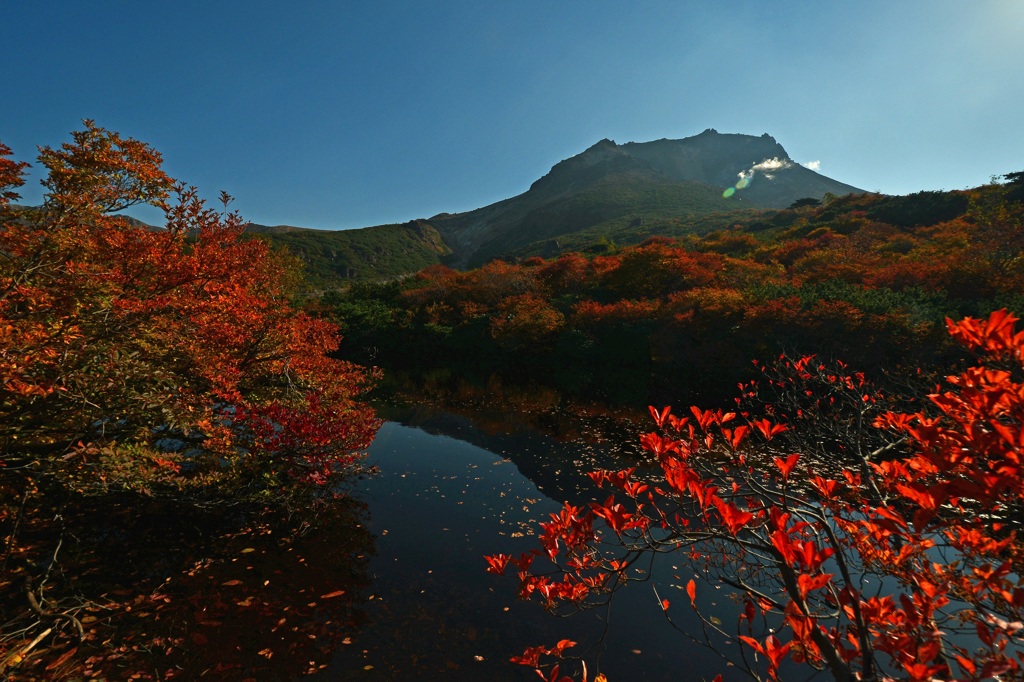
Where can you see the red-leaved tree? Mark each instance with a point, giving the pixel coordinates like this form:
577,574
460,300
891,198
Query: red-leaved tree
142,363
168,358
806,508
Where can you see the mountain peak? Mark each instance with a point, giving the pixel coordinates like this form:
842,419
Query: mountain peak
726,170
628,190
758,165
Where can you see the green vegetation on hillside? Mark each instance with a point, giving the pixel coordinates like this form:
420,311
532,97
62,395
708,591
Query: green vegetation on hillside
336,258
611,209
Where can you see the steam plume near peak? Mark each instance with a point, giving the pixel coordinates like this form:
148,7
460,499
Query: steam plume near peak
813,165
773,164
768,168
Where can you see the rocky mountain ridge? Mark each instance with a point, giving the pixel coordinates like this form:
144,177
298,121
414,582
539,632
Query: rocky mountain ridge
607,189
609,182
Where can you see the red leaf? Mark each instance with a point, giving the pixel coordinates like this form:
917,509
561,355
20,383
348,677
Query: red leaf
497,563
561,646
734,518
659,417
785,466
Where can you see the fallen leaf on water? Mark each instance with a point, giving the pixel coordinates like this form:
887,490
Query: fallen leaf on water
331,595
233,582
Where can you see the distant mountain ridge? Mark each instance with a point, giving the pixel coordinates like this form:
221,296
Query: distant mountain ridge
608,183
607,189
382,252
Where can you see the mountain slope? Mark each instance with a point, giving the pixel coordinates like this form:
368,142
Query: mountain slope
371,253
608,188
664,179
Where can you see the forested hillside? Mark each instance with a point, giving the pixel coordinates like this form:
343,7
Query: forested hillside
867,278
334,257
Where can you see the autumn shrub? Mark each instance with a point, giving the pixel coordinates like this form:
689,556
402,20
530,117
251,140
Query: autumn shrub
527,320
858,538
164,358
145,368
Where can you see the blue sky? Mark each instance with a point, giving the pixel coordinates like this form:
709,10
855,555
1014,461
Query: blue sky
337,114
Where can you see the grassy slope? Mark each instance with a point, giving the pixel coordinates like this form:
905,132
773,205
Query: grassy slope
334,258
622,209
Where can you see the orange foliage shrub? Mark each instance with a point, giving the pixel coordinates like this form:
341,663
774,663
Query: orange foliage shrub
525,319
137,357
591,314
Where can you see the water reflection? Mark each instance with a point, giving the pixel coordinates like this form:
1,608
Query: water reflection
550,438
390,583
465,472
179,592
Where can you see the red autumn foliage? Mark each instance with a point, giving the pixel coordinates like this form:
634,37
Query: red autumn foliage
525,319
165,365
589,314
928,501
568,274
171,357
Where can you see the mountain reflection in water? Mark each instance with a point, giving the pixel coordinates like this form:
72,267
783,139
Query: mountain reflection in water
466,473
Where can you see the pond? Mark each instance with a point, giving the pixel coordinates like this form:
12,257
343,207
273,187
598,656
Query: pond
388,584
470,472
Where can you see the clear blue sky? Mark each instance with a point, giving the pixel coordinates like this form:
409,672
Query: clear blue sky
338,114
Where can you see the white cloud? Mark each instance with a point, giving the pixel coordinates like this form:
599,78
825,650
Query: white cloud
771,165
767,167
813,165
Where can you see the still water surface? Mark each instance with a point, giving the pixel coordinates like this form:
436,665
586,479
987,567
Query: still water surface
453,487
390,582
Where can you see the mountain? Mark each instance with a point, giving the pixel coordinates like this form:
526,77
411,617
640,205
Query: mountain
609,184
608,189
